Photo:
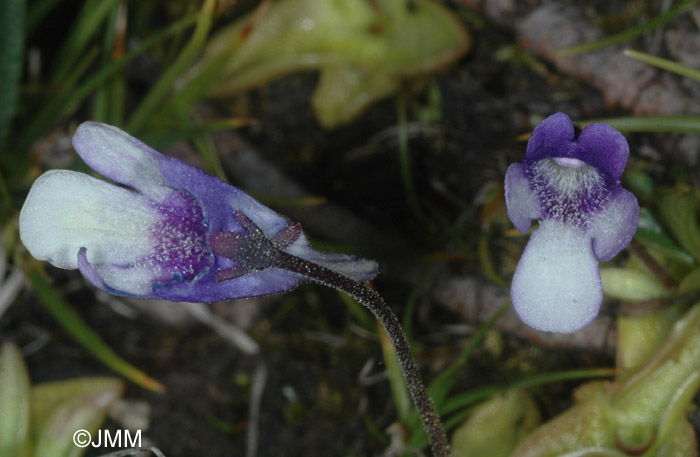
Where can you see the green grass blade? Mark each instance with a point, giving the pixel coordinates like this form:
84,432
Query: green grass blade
73,98
441,386
87,337
466,399
11,51
629,34
162,88
679,211
36,12
57,104
670,124
664,64
101,103
82,32
399,391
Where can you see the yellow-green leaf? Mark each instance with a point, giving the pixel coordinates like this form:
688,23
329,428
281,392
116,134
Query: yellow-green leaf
631,285
14,403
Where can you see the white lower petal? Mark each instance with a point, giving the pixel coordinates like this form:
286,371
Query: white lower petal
557,286
65,211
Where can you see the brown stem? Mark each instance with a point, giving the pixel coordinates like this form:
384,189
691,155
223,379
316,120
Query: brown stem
377,306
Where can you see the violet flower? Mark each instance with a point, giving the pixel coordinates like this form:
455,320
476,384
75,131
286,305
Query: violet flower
570,181
175,232
179,234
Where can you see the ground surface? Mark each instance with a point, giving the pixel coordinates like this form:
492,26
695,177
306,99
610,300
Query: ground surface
325,394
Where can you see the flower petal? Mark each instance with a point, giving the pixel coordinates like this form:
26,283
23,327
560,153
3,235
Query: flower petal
121,157
551,138
599,145
136,280
81,211
557,284
613,228
357,268
603,147
220,200
521,201
208,290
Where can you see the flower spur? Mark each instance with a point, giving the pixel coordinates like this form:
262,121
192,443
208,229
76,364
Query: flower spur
570,181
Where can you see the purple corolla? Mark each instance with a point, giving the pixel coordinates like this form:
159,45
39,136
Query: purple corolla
171,232
570,181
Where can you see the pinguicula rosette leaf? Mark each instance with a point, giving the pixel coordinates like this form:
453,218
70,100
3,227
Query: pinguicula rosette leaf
570,181
173,232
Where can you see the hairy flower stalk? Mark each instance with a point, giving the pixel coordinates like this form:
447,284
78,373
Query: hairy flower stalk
378,307
178,234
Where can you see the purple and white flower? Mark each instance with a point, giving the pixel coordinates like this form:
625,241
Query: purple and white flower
171,232
570,181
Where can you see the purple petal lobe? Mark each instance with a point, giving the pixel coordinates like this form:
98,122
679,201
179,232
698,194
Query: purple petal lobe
557,286
121,157
613,227
221,200
603,147
599,145
207,290
521,202
551,138
88,271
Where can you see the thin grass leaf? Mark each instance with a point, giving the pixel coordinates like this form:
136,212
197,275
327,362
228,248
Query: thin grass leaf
82,32
36,12
405,167
466,399
679,210
180,132
167,80
205,147
670,124
12,14
416,292
441,386
55,108
101,101
664,64
359,311
486,264
87,337
399,391
59,102
631,33
463,404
